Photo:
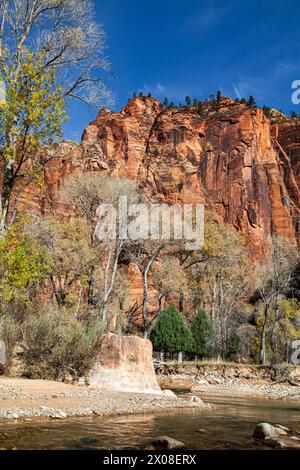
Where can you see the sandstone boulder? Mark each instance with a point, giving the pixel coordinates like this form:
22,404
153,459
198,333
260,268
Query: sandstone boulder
195,399
170,394
124,364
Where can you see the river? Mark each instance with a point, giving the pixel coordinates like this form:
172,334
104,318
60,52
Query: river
230,426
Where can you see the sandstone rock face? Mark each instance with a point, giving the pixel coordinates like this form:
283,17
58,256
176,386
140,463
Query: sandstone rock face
124,364
234,161
227,160
286,136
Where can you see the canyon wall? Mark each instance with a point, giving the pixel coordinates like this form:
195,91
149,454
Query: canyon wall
233,160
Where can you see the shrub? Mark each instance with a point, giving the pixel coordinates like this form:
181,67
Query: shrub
56,345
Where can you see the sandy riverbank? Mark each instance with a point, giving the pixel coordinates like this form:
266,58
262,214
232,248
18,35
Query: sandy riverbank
231,380
32,399
262,390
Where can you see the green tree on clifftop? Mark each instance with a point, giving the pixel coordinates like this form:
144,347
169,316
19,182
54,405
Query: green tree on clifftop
188,101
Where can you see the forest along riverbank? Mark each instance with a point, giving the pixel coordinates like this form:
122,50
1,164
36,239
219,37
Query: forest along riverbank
231,380
35,399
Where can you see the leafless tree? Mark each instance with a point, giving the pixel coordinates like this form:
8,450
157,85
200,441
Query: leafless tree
61,34
143,254
273,279
42,38
87,191
170,278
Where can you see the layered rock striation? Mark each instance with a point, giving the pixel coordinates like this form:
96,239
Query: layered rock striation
232,159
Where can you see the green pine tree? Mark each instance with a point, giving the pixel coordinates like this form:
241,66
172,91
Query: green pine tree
219,96
134,94
188,101
203,335
267,111
251,102
200,109
170,333
166,102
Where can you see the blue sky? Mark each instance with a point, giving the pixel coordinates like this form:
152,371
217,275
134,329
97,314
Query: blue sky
176,48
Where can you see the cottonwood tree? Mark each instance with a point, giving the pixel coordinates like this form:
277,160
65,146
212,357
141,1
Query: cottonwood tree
23,264
283,327
143,253
87,192
273,279
220,276
50,50
169,278
70,253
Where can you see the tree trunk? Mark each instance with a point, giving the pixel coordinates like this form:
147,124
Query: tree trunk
262,349
160,299
181,302
58,293
91,286
6,195
273,343
180,355
145,303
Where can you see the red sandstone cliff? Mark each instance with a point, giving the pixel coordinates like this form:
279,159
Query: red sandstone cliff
232,159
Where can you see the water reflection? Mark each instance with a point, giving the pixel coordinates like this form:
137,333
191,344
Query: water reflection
230,426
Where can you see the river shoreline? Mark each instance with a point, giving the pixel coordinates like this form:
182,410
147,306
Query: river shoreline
27,400
23,399
231,380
